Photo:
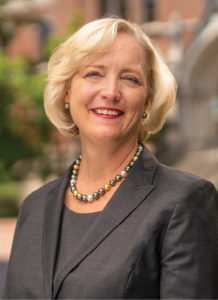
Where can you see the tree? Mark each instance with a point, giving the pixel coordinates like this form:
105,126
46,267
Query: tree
24,130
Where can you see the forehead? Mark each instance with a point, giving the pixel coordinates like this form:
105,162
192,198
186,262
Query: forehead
124,50
125,40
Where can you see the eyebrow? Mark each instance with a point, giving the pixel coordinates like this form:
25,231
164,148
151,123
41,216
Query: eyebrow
123,70
95,66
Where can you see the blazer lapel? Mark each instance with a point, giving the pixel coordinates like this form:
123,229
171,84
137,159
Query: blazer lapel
51,228
134,190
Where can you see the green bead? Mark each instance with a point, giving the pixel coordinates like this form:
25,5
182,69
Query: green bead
127,168
112,182
137,153
118,177
79,196
101,191
72,181
95,195
84,198
72,188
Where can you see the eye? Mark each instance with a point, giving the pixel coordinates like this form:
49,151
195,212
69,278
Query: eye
131,79
93,74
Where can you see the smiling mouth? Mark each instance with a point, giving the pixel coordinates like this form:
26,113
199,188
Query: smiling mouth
107,112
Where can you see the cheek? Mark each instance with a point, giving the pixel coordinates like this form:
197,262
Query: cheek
82,96
137,103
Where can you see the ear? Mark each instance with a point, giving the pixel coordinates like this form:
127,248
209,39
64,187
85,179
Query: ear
66,96
67,91
147,103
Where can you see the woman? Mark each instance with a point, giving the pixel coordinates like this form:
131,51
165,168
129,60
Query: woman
118,224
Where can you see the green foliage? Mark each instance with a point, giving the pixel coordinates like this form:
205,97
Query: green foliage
24,128
2,2
9,192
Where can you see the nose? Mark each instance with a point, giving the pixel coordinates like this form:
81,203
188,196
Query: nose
110,89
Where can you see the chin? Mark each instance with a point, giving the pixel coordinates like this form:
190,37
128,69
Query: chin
109,136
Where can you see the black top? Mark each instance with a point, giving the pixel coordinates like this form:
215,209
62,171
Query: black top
74,226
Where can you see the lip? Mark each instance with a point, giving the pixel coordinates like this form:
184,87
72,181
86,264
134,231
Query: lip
93,110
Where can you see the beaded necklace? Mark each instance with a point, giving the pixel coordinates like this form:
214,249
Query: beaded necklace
107,186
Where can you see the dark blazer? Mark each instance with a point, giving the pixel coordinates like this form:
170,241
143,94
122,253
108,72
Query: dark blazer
156,238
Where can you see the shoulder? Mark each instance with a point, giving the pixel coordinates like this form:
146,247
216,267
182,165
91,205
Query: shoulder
190,233
169,178
42,191
179,180
37,199
174,188
188,196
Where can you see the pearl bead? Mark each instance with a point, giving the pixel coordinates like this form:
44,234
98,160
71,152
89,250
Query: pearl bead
73,188
95,195
138,153
84,198
79,196
112,182
101,191
118,178
135,158
127,168
123,173
131,163
107,187
77,161
76,167
75,193
89,198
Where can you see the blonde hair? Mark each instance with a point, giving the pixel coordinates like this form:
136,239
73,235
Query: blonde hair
86,45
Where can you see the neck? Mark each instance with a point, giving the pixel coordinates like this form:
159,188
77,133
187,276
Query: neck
100,162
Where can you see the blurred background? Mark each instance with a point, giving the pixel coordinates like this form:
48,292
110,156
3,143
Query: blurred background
32,152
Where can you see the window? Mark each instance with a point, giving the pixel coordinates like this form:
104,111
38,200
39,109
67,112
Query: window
141,10
149,10
114,7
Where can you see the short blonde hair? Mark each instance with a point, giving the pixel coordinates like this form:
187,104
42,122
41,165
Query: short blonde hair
87,44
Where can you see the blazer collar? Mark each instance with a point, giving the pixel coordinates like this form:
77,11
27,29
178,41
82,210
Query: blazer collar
133,190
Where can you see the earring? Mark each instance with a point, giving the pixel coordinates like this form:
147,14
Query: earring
66,105
144,115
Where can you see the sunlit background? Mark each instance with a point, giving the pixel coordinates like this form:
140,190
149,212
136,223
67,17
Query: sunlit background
33,152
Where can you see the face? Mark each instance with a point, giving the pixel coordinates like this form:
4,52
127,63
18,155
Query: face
108,96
